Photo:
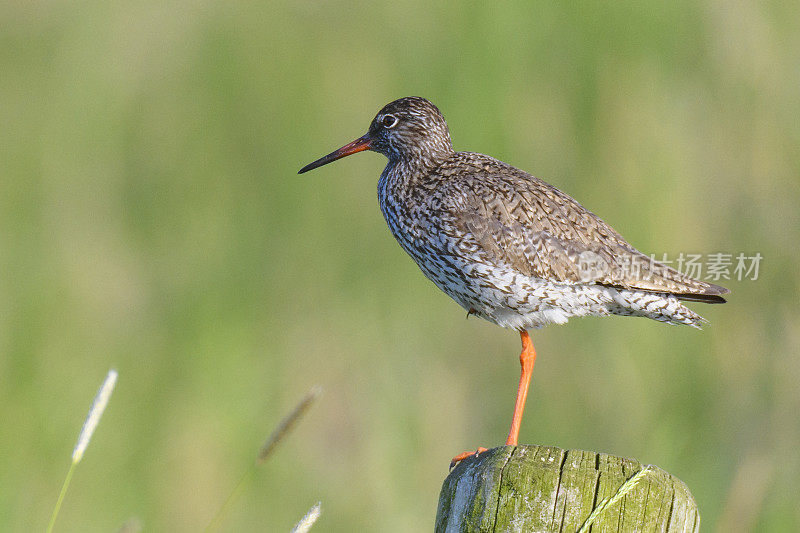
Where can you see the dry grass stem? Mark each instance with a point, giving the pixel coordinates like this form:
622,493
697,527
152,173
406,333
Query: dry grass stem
287,424
283,428
95,412
308,520
89,425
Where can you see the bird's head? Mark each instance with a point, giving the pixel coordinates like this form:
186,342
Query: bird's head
410,129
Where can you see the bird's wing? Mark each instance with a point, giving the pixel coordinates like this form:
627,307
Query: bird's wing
512,218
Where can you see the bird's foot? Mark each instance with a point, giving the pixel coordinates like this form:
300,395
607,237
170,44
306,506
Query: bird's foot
460,457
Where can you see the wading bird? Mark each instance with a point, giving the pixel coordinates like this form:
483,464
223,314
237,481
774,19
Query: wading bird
505,245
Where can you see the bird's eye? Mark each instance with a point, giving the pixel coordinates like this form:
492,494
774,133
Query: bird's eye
389,121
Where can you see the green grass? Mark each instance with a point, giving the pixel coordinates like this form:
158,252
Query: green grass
153,222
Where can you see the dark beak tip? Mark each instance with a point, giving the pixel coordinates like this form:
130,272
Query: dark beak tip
359,145
312,166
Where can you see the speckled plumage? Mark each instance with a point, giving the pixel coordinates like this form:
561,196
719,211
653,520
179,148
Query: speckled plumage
505,245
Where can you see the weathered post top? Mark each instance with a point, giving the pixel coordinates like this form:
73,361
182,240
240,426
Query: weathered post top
541,488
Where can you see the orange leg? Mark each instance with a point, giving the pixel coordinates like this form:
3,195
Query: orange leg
526,359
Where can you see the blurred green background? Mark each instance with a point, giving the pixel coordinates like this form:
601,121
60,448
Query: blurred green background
152,221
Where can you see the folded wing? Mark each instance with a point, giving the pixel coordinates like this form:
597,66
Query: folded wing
516,219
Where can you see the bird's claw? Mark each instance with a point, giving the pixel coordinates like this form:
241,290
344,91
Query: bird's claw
460,457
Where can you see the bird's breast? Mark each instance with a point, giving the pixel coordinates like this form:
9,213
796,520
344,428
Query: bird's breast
403,214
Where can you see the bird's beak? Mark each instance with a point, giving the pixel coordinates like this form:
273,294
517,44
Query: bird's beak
359,145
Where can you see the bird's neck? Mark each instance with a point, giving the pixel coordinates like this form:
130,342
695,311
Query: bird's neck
401,175
413,166
400,186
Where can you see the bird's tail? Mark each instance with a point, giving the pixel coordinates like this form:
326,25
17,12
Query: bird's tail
657,306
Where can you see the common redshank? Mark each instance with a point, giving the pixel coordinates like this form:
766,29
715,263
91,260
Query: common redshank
505,245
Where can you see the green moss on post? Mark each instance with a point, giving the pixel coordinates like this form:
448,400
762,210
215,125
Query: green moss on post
540,488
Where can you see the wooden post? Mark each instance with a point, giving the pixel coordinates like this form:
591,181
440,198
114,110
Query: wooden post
540,488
